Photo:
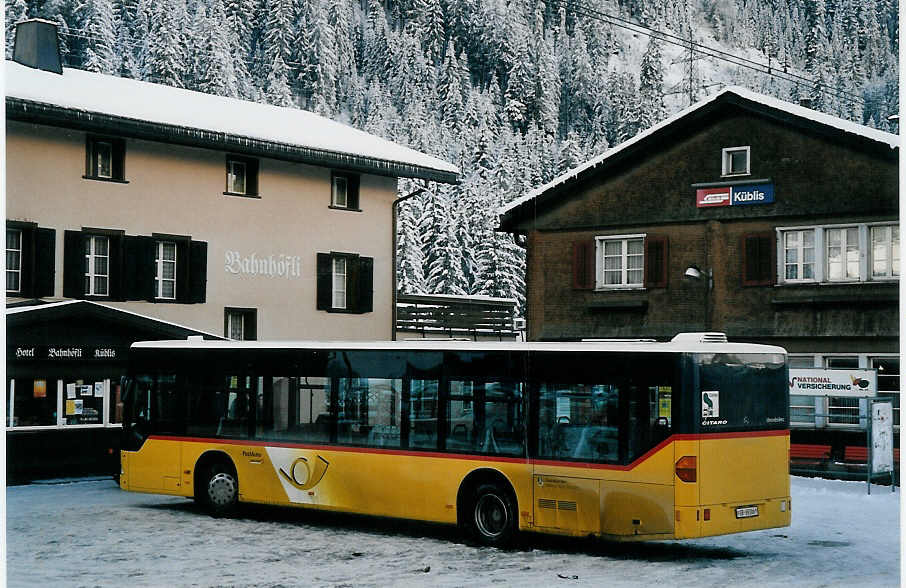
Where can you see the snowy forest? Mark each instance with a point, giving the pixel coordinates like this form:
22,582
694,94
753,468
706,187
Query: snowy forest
514,92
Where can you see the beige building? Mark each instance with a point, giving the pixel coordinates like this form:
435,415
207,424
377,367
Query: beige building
222,215
137,211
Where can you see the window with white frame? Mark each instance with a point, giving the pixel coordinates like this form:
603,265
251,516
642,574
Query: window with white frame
802,407
236,175
338,289
621,261
888,370
240,324
839,253
735,161
97,265
799,255
885,251
340,190
13,261
165,276
842,410
842,254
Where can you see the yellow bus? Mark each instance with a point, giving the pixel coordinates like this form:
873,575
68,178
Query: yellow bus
623,440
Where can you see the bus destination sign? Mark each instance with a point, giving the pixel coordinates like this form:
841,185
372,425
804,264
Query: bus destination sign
735,195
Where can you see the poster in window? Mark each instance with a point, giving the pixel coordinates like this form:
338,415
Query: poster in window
70,391
40,389
99,389
664,401
74,407
86,390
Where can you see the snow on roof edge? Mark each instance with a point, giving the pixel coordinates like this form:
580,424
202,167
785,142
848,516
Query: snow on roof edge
80,90
826,119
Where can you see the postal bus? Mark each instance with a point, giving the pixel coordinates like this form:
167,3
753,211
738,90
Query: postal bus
622,440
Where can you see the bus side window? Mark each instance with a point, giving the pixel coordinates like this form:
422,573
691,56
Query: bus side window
579,421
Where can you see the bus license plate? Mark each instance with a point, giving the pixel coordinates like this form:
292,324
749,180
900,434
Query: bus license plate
744,512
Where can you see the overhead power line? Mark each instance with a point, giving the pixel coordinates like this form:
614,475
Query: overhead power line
719,54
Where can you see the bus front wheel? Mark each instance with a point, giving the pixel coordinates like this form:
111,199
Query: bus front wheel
221,489
493,517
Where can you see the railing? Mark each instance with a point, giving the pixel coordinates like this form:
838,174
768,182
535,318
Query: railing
476,317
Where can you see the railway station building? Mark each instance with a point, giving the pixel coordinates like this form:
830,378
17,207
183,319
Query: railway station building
202,214
742,214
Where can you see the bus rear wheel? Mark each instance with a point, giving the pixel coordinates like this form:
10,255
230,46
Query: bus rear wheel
221,489
493,517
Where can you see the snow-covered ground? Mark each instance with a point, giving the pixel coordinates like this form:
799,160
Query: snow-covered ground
89,533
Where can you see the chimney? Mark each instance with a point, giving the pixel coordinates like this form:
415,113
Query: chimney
805,102
37,46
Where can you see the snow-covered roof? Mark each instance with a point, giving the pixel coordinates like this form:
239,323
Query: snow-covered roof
893,141
287,128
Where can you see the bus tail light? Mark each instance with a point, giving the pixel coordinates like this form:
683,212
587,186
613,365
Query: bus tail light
686,468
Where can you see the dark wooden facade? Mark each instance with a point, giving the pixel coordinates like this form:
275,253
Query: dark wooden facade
821,175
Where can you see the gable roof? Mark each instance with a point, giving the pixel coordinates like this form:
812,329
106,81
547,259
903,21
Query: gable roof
742,97
108,104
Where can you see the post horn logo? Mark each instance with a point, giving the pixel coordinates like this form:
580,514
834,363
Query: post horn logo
304,475
860,382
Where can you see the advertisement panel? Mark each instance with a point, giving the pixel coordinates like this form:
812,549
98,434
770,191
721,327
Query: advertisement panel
881,437
838,383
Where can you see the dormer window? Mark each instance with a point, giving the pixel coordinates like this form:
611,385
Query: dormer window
735,161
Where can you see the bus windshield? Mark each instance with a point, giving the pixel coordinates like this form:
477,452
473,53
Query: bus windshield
740,392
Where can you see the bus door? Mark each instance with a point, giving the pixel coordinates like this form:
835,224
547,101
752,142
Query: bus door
154,407
572,428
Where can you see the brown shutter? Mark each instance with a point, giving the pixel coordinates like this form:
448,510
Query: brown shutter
45,256
73,264
198,271
655,262
758,259
139,268
365,287
583,265
324,287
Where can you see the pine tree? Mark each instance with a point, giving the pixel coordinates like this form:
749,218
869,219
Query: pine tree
816,56
167,60
15,11
410,257
100,37
450,91
651,86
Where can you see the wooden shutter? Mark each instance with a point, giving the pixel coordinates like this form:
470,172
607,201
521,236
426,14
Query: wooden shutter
73,264
655,262
198,271
365,286
250,325
26,261
583,265
117,280
251,177
352,191
325,285
758,259
44,266
118,164
139,268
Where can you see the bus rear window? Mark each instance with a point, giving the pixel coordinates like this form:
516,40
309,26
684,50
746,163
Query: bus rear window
741,392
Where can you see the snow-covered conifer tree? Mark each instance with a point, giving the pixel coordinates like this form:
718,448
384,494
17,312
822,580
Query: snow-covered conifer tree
98,22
